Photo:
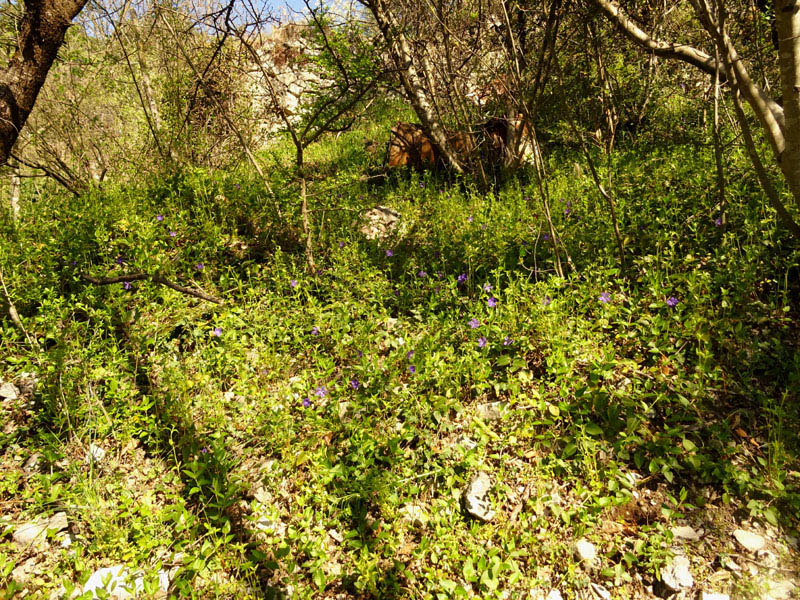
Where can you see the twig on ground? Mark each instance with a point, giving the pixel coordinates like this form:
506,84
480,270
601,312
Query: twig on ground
155,278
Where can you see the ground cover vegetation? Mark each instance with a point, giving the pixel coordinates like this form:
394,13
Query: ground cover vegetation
234,384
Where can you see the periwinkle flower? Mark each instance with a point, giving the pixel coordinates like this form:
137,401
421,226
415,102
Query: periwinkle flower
412,369
487,287
481,342
292,283
341,244
159,218
474,323
672,302
217,331
321,391
422,274
718,221
492,302
355,383
507,341
410,354
462,278
390,253
469,219
315,330
605,297
173,233
127,285
546,300
199,266
306,402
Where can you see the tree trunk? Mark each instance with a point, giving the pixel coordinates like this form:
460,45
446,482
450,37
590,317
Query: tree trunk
787,13
41,34
411,78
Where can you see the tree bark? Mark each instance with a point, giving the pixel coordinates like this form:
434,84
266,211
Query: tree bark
787,14
41,34
411,78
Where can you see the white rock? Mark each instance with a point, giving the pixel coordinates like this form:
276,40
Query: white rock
33,462
553,595
414,512
749,540
685,532
95,455
492,411
379,223
540,594
714,596
585,551
35,532
475,502
600,592
116,581
336,535
676,575
779,590
9,391
24,572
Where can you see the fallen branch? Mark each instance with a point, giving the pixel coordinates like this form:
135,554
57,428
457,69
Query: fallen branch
155,278
12,312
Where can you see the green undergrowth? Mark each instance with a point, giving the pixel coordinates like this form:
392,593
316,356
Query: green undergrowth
278,440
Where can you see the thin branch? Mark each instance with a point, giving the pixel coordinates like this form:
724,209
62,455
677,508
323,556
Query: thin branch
155,278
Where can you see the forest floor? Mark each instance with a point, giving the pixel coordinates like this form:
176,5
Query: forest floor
437,412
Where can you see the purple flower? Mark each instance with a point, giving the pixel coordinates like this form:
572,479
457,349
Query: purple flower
566,211
474,323
492,302
159,218
355,383
120,260
315,330
718,221
199,266
203,450
341,244
546,300
437,254
412,369
469,219
481,342
397,293
422,274
217,331
605,297
306,402
360,354
173,234
672,302
487,287
462,278
321,391
546,237
127,285
390,253
507,341
410,354
237,186
292,283
421,184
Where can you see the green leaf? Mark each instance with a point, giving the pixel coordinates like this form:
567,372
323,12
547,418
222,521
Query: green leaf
593,429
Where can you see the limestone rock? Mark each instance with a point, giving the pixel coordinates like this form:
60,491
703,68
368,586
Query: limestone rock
585,551
415,513
492,411
116,581
95,455
676,575
749,541
475,502
35,532
9,391
685,532
714,596
379,223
